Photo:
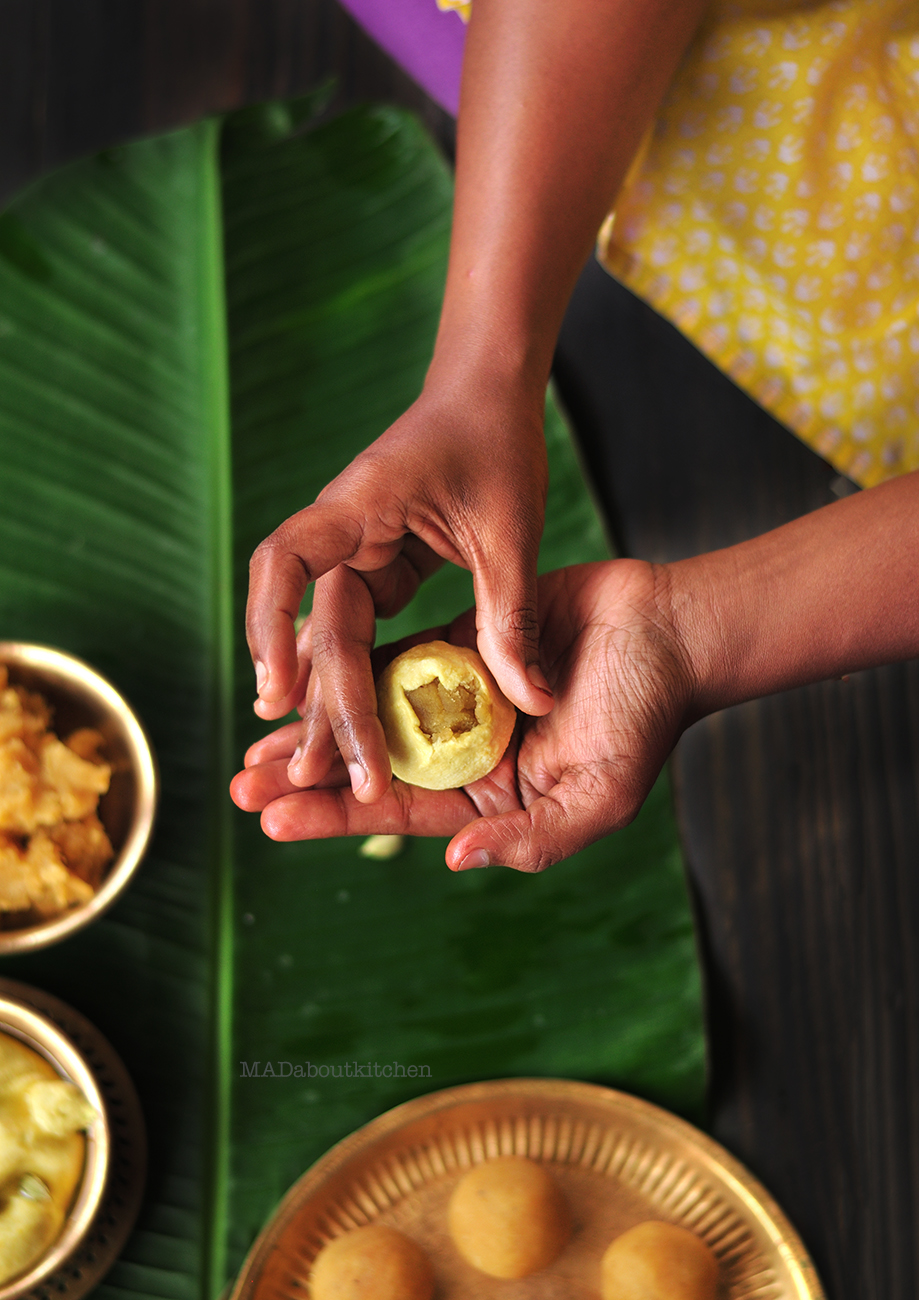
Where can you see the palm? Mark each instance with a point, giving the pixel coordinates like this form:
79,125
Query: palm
574,775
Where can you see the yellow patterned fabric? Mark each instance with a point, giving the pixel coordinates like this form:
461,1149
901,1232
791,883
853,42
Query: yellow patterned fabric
462,7
773,216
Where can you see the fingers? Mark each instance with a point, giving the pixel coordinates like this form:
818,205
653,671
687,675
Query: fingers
508,627
343,632
272,711
315,750
307,747
403,810
258,786
279,744
301,550
255,788
578,810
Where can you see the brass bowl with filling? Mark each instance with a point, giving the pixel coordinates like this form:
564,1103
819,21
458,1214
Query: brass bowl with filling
81,697
108,1192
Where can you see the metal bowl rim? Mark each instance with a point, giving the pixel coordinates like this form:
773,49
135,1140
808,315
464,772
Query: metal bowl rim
42,1036
69,668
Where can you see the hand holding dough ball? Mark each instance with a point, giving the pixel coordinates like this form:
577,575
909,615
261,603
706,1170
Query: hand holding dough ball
508,1218
445,720
658,1261
372,1263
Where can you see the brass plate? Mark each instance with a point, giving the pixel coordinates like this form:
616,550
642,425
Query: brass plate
99,1223
619,1161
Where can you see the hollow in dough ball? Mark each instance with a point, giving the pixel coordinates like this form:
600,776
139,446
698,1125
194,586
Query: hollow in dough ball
371,1263
445,719
658,1261
508,1217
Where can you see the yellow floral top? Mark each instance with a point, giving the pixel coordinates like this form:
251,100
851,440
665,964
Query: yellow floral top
773,216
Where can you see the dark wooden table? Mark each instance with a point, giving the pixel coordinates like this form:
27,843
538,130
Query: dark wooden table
798,813
799,816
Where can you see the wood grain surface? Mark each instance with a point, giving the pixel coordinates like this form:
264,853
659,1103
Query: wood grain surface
799,813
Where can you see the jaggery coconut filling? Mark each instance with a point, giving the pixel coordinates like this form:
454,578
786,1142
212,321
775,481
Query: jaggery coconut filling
442,713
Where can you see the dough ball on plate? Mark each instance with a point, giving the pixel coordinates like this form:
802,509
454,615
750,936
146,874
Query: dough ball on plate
508,1217
371,1263
445,719
659,1261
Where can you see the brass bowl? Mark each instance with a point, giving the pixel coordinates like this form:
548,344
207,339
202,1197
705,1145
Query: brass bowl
32,1029
109,1195
80,697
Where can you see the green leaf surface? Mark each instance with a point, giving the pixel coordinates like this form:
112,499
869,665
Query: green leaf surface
114,545
161,412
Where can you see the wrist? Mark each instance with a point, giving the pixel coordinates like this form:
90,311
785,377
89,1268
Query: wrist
705,621
491,377
488,340
641,600
829,593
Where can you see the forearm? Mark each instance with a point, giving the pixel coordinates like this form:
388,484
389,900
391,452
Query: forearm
555,100
832,592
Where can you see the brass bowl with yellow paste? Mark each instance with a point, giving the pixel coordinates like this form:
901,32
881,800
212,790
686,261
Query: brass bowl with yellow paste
73,1129
42,1154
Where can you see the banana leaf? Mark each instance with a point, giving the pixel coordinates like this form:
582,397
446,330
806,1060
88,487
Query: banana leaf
196,333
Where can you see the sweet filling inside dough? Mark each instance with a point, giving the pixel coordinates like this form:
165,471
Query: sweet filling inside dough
442,713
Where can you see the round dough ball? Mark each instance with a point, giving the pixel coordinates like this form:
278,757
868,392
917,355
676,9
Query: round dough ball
658,1261
445,720
508,1217
372,1263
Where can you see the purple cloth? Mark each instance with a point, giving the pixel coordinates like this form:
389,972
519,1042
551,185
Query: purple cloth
422,39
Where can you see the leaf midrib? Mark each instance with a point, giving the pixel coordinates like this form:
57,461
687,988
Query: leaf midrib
215,376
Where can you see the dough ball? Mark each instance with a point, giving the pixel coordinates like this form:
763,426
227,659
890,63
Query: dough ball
658,1261
444,717
372,1263
508,1217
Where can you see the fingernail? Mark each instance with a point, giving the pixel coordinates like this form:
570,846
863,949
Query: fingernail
261,676
477,858
358,777
538,679
294,762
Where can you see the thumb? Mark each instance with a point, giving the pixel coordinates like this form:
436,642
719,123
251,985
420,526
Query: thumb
507,632
574,813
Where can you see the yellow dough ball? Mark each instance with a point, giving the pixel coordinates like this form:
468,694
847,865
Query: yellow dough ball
658,1261
508,1217
445,720
372,1263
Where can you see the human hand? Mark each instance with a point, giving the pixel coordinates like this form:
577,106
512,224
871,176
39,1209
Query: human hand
461,476
624,690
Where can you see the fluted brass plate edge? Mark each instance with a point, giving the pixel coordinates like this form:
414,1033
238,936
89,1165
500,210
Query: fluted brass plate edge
618,1159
